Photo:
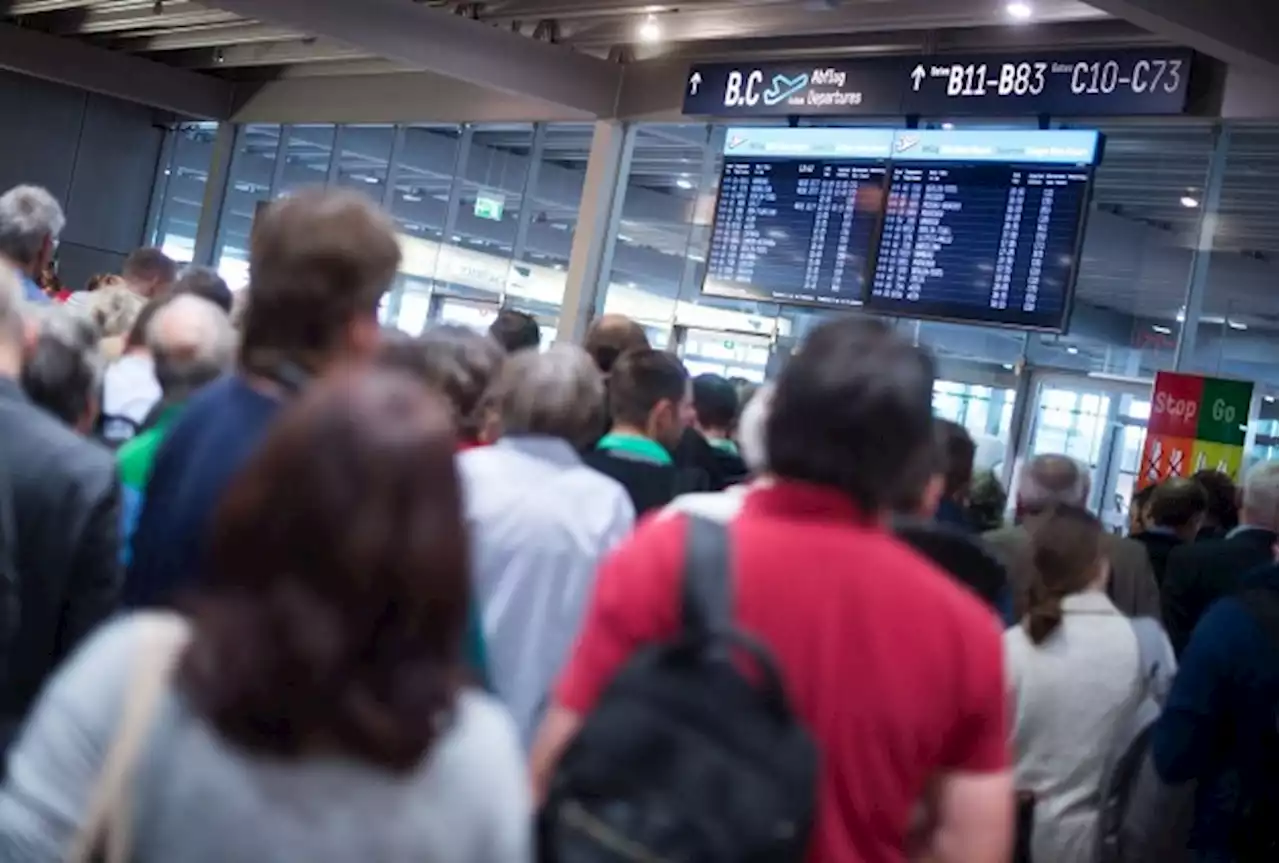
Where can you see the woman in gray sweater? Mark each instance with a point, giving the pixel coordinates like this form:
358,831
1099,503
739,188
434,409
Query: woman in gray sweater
313,705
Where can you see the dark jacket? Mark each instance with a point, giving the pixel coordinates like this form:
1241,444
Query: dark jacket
965,558
1159,545
1201,573
1219,724
64,509
722,467
649,484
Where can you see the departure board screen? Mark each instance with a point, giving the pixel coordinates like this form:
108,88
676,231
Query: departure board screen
795,222
974,225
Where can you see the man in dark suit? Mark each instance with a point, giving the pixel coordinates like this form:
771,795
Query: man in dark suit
1045,482
1200,573
62,531
1175,514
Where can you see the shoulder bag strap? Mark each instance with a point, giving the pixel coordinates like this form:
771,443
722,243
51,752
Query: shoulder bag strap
706,593
105,831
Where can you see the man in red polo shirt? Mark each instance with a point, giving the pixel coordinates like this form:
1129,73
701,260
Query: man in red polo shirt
895,669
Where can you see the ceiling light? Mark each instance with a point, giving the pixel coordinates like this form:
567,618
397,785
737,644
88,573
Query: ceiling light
1268,398
1019,11
948,126
1189,202
412,199
1072,349
649,30
1159,329
1237,325
684,183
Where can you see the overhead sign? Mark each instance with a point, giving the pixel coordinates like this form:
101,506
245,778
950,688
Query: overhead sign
489,206
1069,83
1195,424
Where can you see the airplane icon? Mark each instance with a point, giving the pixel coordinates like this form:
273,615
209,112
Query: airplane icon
783,87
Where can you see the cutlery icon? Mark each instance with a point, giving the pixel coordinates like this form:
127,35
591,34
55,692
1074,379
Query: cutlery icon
782,87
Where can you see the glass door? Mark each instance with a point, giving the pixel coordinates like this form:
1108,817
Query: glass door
741,356
1101,424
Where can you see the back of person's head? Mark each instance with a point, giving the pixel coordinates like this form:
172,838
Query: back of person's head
715,404
191,343
332,614
557,393
957,449
458,362
204,282
150,272
1140,509
960,556
987,499
649,391
63,368
1223,512
611,336
1048,481
1178,503
31,221
515,331
853,410
114,309
1066,549
1260,496
319,262
752,431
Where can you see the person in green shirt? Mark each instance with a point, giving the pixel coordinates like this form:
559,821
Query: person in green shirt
191,342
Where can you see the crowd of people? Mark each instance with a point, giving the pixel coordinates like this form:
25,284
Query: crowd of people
279,584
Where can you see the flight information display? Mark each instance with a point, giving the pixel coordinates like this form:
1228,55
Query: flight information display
972,225
796,219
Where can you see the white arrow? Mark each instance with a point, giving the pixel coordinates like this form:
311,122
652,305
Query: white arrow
917,75
695,80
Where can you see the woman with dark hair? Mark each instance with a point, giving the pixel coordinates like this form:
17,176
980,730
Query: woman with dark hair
316,707
1083,678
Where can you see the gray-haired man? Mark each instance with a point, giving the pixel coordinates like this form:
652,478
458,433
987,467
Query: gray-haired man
30,221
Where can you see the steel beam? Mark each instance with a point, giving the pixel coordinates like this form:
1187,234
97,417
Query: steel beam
265,54
1236,31
111,73
432,38
213,36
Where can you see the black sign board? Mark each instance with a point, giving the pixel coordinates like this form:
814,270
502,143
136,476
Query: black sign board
1068,83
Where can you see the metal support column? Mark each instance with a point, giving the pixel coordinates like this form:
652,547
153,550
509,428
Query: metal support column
396,297
281,162
335,157
215,193
525,218
1025,393
160,189
459,181
1206,229
599,214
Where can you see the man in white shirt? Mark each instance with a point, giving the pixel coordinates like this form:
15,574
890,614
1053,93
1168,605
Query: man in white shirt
540,521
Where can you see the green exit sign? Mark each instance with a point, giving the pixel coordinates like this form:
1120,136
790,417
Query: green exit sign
489,207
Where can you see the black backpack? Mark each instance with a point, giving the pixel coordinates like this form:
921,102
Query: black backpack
686,757
1256,838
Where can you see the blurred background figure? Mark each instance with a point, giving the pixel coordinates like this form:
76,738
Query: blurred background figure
540,521
707,444
1223,512
149,273
113,308
320,661
1199,574
611,336
458,362
319,264
1080,674
63,370
987,501
650,406
1175,513
204,282
957,451
191,343
515,331
31,220
59,525
1045,483
130,390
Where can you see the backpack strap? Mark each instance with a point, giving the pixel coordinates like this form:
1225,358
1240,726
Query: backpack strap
705,595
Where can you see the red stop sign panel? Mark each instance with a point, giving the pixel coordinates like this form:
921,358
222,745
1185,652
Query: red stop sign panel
1175,405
